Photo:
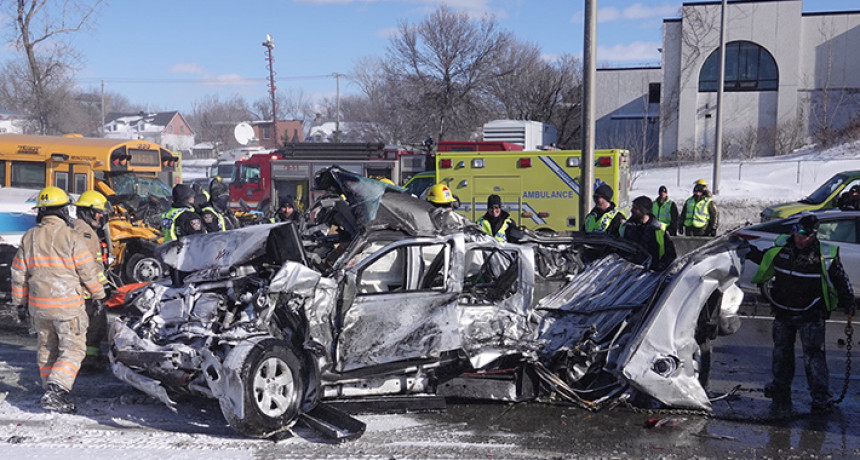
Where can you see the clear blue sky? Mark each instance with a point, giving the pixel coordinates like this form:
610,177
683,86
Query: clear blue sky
169,53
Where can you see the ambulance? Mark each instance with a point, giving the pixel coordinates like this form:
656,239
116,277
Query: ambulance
540,188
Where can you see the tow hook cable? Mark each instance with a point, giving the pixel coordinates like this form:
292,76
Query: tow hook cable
849,339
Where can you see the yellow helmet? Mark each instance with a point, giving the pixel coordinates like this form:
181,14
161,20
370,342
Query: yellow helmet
52,196
701,182
387,181
92,199
440,194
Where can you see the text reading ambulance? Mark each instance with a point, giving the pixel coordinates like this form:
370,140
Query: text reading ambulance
539,188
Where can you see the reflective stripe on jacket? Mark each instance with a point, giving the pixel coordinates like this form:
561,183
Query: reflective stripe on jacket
168,222
222,225
696,213
52,270
767,269
91,240
501,235
663,212
593,225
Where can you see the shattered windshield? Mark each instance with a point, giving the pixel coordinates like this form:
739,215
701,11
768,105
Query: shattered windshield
142,186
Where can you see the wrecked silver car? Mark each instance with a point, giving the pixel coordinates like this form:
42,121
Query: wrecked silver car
407,299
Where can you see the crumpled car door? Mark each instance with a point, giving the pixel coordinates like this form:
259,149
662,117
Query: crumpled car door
401,304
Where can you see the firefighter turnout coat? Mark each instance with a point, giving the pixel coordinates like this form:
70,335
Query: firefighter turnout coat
53,270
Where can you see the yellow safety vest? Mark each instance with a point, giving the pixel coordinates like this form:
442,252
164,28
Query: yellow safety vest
663,213
593,225
828,255
696,213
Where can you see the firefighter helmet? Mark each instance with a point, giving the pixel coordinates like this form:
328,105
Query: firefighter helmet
92,199
52,196
701,182
440,194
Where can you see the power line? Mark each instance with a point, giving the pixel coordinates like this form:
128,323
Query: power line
212,81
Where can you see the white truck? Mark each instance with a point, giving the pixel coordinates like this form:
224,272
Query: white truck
532,135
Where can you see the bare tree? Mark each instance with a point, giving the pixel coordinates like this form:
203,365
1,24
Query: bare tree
446,63
213,119
47,61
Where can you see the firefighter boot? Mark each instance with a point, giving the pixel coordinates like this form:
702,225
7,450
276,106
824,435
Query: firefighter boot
56,399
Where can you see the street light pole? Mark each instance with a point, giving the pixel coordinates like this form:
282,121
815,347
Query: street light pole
718,148
337,107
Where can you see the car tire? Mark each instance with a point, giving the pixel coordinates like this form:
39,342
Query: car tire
141,268
271,379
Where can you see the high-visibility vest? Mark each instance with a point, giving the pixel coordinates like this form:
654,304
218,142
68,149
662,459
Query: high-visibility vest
696,213
500,235
663,213
168,222
661,239
828,255
222,226
593,225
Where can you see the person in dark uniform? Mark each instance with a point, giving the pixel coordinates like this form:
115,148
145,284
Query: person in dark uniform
644,229
808,283
604,216
287,212
665,210
181,219
496,222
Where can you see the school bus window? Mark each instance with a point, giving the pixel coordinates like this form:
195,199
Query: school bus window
80,183
28,174
61,180
2,173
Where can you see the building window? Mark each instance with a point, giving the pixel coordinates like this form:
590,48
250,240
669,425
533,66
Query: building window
182,129
267,132
749,67
653,93
170,129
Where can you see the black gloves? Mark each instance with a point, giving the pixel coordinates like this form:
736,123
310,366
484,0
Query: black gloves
23,313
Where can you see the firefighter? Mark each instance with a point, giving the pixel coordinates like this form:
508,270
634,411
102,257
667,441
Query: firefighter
496,222
440,196
644,228
181,219
808,283
50,274
700,213
287,213
91,214
604,216
666,211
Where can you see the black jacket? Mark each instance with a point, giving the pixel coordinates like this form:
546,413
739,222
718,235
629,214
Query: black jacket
796,288
646,236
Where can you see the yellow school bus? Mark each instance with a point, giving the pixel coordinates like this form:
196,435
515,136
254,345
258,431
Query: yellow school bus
76,164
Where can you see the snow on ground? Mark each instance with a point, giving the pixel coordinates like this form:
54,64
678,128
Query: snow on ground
747,187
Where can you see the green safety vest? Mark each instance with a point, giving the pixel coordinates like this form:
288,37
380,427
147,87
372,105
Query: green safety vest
696,213
828,255
168,222
222,226
661,238
663,213
501,235
593,225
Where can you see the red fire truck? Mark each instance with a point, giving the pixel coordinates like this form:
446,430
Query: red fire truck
290,170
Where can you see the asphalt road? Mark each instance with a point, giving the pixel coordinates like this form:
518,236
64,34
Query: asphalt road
114,420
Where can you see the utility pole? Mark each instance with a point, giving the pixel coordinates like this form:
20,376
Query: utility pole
718,149
589,72
337,107
270,64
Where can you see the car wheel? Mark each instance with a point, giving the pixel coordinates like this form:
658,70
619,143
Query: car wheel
272,384
141,268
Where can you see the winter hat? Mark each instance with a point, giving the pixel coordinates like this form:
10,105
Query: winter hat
643,203
604,191
182,194
494,200
287,200
662,189
807,225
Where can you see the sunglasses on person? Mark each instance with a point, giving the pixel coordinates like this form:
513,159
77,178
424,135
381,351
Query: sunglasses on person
803,231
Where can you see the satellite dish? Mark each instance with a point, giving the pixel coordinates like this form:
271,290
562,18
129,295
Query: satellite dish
243,132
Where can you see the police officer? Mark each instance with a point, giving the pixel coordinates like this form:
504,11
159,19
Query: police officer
604,217
50,273
91,213
665,210
181,219
496,222
644,229
700,212
219,207
808,283
440,196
